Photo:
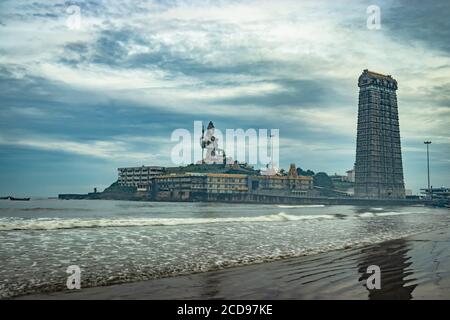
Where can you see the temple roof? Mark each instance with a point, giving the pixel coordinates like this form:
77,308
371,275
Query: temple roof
377,75
371,77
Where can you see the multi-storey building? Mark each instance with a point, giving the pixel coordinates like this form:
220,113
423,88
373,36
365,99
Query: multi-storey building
378,166
351,175
297,184
226,183
139,177
178,186
197,185
171,184
184,186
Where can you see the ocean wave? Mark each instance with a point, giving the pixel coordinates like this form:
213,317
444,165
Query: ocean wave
382,214
54,224
301,206
394,213
10,224
110,276
366,215
45,209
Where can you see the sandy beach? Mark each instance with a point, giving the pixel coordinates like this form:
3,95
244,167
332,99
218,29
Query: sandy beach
416,267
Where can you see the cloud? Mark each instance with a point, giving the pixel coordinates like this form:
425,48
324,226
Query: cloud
116,149
145,68
416,21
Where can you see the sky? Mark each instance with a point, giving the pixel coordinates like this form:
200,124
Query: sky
77,101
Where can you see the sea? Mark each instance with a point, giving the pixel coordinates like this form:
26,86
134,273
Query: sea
126,241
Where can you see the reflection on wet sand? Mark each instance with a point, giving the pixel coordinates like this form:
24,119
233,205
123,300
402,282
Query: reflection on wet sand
394,264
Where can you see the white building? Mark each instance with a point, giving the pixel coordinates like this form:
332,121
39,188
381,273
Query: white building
139,177
351,175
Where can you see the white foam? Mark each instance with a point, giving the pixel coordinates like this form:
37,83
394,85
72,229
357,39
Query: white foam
393,213
302,206
306,217
366,214
382,214
36,224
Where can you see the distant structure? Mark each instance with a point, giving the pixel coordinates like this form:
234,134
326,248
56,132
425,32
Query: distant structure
378,166
351,175
139,177
292,171
210,142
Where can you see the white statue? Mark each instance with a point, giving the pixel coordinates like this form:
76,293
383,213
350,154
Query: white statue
210,142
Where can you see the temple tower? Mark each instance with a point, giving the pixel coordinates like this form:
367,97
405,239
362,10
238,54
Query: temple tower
378,166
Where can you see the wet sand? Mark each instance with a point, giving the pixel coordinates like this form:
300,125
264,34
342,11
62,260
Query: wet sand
416,267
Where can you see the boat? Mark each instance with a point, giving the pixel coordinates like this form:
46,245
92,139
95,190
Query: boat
5,198
19,199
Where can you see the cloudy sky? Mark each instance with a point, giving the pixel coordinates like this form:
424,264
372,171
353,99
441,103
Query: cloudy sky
76,103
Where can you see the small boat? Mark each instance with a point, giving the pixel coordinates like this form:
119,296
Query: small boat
19,199
5,198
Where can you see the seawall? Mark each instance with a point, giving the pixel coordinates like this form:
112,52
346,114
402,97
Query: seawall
250,198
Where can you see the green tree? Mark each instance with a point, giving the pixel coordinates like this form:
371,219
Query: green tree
321,179
302,172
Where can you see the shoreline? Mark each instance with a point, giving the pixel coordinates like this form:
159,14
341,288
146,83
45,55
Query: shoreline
266,200
415,267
